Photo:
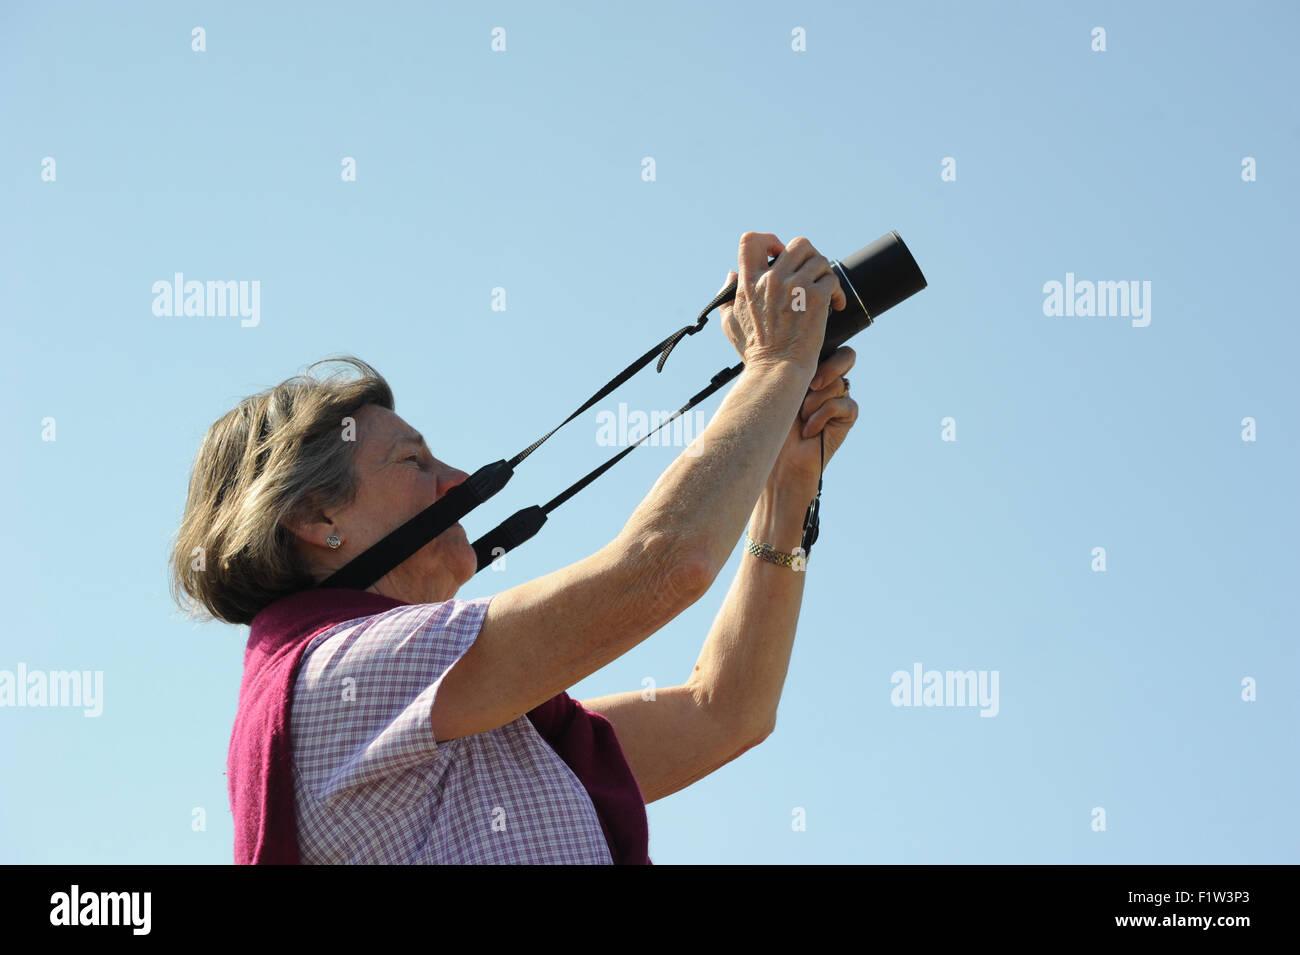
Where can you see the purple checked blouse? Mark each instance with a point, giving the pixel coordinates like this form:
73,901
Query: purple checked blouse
370,784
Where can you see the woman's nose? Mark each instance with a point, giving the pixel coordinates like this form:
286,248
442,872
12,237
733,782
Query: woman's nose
451,479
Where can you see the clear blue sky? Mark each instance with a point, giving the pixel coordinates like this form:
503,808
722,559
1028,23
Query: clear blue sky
523,169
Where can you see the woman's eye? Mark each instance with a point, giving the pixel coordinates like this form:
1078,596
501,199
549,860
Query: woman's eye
415,458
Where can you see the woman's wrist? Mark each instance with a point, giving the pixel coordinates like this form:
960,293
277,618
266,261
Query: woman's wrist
784,486
779,512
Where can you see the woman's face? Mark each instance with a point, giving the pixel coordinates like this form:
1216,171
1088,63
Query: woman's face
397,478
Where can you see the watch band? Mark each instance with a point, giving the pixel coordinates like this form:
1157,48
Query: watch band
795,561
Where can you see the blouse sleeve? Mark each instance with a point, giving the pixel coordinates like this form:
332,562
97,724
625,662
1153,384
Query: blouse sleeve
363,693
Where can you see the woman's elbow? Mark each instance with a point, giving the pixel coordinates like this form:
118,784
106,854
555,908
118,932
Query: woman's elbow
672,576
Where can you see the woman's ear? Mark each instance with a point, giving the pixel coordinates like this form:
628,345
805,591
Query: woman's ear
310,526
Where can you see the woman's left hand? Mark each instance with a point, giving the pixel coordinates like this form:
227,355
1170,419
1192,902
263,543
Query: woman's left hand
827,409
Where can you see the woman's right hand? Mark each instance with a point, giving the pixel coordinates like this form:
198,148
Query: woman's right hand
771,321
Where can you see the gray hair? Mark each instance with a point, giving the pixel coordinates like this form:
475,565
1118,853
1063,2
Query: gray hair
276,456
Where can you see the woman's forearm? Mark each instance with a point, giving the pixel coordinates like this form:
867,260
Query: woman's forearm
742,668
700,503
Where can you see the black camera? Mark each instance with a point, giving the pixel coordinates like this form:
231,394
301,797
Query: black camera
875,278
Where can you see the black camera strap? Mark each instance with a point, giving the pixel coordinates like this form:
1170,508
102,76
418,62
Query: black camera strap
812,517
386,554
875,278
524,523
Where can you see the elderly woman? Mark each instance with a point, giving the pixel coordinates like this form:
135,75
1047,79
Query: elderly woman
403,725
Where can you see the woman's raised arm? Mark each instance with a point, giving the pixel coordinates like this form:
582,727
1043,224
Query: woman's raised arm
544,636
